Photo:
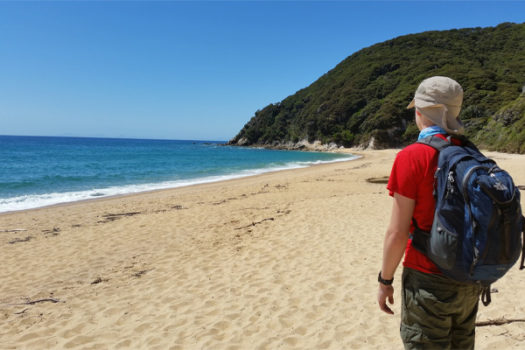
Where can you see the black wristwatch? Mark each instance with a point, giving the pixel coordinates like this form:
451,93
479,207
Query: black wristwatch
383,281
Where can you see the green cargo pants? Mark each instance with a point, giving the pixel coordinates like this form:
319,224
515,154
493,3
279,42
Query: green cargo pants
437,312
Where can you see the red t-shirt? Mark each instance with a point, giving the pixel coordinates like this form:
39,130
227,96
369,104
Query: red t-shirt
412,176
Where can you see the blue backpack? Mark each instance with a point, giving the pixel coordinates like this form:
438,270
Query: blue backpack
476,235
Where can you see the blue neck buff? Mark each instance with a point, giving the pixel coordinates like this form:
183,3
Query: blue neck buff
431,130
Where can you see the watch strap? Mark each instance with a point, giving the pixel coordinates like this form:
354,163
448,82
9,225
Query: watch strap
383,281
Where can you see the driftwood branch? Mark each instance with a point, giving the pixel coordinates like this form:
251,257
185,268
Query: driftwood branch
14,230
378,180
140,273
498,322
19,240
113,217
33,302
99,280
54,231
255,223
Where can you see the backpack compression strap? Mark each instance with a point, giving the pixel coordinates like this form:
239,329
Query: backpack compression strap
485,295
522,265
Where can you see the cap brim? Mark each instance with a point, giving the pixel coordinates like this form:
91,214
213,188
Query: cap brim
423,104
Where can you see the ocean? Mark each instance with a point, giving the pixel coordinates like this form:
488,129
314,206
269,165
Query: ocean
39,171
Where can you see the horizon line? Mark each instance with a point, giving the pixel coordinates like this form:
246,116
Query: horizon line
114,138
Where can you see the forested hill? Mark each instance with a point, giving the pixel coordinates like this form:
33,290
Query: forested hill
364,98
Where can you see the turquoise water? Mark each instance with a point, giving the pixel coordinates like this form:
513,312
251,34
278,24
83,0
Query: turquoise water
40,171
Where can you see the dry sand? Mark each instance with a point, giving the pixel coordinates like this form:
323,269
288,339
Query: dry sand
286,260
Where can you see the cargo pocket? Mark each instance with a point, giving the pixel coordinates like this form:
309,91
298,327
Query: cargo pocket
442,245
412,336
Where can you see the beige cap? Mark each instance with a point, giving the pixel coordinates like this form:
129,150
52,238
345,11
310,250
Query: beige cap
439,99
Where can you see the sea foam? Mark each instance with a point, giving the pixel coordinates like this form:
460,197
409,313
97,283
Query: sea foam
32,201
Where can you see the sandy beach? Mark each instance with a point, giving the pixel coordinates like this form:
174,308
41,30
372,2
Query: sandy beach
284,260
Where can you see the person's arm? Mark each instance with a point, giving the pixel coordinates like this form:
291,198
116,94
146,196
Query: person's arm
394,246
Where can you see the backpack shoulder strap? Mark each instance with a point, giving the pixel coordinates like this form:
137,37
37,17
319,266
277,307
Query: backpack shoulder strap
420,238
522,264
436,142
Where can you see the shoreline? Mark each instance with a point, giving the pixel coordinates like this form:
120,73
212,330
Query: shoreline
354,155
356,152
169,185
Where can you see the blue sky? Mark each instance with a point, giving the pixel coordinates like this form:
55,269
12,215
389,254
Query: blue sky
189,70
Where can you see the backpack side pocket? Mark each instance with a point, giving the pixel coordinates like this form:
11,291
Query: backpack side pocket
443,244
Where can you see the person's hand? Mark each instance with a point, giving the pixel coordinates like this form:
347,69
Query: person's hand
385,292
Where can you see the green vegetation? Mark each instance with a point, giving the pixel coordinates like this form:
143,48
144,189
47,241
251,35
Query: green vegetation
365,96
506,130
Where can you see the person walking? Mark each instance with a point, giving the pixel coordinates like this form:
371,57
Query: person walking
437,312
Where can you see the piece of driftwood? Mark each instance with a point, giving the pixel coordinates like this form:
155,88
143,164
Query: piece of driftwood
255,223
20,240
14,230
53,230
378,180
20,312
99,280
140,273
498,322
45,300
113,217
